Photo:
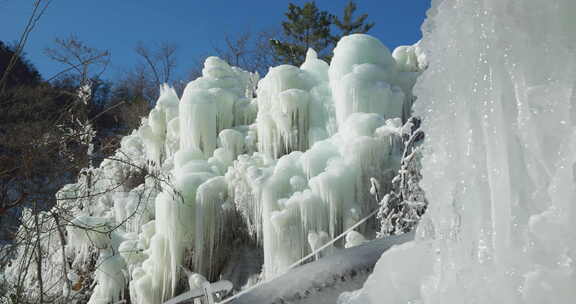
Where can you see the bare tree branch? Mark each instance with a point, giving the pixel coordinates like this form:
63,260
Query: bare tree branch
160,61
39,7
79,57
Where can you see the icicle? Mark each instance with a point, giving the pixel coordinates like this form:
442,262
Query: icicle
283,111
213,224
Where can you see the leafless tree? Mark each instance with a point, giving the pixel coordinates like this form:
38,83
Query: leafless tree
37,165
85,61
44,260
160,60
38,9
249,51
236,49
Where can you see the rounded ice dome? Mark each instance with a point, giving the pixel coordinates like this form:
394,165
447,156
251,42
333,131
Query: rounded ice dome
358,49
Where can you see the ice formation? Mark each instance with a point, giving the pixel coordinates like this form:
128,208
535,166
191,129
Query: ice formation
497,103
232,168
363,77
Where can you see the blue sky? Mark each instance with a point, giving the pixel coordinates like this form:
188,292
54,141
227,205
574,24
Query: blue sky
194,26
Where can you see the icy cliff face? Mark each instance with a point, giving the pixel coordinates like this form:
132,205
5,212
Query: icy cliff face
498,107
231,169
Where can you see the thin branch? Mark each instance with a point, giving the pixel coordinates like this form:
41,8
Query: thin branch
37,12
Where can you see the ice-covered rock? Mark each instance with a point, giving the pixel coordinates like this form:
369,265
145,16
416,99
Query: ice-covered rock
354,238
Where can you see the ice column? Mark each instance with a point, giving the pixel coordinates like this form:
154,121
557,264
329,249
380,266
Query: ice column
497,103
362,75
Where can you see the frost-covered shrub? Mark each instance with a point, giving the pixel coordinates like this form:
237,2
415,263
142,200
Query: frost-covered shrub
401,208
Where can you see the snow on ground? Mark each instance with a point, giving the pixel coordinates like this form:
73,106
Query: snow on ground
323,280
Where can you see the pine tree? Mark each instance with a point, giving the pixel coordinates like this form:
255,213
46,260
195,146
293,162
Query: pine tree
307,27
348,25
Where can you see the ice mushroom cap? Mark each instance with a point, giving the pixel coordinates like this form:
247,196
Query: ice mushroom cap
358,49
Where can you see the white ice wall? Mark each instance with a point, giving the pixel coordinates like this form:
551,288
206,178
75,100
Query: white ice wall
497,104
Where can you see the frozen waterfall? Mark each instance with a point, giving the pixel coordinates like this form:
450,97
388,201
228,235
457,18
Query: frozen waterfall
498,107
222,184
